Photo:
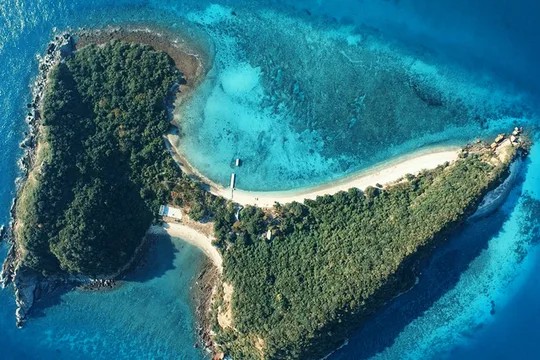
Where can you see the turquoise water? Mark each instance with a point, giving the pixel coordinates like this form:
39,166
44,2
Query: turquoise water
305,91
324,99
148,317
478,297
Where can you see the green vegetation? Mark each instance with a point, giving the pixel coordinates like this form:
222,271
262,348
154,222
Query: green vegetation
101,169
333,261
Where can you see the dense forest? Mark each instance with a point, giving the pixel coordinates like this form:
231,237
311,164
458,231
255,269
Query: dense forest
102,169
334,260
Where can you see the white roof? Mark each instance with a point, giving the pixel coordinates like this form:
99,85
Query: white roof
169,211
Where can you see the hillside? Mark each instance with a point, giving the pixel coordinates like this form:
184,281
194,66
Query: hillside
101,169
333,261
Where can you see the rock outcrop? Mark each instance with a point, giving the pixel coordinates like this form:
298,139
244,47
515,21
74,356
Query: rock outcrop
3,233
7,268
25,281
495,198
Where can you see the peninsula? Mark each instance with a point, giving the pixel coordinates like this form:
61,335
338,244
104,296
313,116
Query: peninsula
298,271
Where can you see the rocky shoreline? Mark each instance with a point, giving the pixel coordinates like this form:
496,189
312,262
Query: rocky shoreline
509,151
29,285
203,298
496,198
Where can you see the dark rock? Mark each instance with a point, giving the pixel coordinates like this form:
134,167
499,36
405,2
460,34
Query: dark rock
45,287
427,94
12,208
37,293
51,48
7,267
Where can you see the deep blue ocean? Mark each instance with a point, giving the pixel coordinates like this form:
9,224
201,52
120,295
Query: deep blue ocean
301,90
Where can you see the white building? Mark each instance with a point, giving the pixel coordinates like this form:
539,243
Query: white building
169,211
233,180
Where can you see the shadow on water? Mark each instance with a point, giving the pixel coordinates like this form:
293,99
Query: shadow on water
156,260
441,273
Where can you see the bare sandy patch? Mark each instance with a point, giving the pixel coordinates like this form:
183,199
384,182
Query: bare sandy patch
225,316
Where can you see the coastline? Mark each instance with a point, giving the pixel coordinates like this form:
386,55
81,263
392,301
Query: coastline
28,285
495,198
383,173
193,237
207,282
190,58
204,289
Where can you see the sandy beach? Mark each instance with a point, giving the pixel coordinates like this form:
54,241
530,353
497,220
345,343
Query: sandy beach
193,237
361,181
385,173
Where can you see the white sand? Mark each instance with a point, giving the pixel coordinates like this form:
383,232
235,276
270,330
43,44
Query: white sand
385,174
193,237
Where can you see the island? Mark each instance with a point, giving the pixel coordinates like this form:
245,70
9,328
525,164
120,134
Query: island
297,274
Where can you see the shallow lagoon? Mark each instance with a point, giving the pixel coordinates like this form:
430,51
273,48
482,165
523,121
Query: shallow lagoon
302,100
450,317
